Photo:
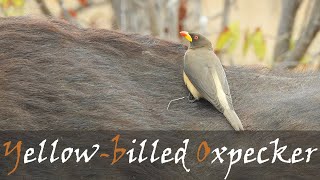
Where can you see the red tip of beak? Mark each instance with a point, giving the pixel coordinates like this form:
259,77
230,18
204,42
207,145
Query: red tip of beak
183,33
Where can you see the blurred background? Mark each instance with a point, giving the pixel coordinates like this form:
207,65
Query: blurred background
272,33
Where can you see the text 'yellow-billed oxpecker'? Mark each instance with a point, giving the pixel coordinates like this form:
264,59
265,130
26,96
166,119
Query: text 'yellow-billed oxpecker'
205,78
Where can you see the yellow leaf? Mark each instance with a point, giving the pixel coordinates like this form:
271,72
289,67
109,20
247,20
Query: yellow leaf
13,11
235,36
18,3
6,4
247,42
228,38
223,39
259,44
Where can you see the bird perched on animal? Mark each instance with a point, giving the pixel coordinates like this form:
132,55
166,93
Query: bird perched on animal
205,78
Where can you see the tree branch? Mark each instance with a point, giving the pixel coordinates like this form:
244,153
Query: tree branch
66,15
286,23
44,8
305,39
226,13
90,4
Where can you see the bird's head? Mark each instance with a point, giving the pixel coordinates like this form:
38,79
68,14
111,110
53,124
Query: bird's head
196,40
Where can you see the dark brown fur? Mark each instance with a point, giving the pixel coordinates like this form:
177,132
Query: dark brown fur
56,76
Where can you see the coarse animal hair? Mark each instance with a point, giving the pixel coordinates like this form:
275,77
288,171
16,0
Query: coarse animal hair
56,76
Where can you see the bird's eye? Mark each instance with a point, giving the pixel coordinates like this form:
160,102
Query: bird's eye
196,38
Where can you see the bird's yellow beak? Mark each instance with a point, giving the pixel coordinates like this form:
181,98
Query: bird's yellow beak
186,35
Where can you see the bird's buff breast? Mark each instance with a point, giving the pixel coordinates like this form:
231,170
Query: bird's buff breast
195,93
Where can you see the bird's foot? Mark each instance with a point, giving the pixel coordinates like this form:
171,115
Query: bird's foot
191,99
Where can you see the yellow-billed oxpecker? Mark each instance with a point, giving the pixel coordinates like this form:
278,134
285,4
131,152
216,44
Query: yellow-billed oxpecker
205,78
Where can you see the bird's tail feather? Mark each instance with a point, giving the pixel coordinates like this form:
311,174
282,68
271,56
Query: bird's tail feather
233,119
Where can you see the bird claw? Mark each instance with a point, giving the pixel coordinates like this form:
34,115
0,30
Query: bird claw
191,99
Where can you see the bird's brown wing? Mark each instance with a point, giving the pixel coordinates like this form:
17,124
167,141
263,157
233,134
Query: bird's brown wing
204,71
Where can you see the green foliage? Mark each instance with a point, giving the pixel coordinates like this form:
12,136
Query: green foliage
247,42
257,40
12,7
259,44
292,44
228,38
305,59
